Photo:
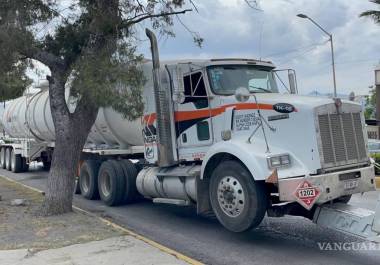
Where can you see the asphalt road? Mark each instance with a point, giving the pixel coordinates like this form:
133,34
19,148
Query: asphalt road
286,240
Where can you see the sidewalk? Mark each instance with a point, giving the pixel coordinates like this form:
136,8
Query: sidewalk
73,238
116,251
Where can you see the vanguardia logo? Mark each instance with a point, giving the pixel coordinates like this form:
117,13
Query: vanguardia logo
349,246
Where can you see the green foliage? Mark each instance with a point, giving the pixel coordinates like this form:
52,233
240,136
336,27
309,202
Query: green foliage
369,112
376,157
13,82
374,14
370,105
15,17
114,81
90,44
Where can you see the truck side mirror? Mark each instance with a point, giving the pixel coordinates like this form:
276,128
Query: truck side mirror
242,94
292,82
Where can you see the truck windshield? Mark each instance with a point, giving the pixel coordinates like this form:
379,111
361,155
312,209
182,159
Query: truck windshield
225,79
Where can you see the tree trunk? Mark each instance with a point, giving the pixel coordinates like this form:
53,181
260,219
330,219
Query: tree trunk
71,131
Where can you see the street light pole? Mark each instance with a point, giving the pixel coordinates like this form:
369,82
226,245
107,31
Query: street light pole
332,47
333,64
377,91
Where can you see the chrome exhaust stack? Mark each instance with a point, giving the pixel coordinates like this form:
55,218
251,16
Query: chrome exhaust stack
162,99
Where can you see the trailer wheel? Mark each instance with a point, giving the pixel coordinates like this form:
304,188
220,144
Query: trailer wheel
130,175
8,158
111,183
88,179
16,162
2,157
238,201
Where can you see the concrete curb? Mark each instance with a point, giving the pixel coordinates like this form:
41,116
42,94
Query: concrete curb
164,249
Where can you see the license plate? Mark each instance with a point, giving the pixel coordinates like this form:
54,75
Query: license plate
351,184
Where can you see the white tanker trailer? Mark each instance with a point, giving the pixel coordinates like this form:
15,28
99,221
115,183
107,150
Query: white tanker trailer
218,135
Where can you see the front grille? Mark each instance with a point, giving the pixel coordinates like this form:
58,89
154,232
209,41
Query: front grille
342,139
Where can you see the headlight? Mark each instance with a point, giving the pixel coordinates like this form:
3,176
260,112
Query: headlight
278,161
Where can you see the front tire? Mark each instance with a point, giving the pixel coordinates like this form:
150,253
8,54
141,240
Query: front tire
238,201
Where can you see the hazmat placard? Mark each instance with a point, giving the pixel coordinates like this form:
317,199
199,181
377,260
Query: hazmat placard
307,194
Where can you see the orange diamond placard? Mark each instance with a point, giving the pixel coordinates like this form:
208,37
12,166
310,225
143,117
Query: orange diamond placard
307,194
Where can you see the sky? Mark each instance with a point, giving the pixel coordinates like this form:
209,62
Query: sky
231,29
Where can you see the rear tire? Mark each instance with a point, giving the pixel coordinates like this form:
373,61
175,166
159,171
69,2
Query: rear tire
16,162
8,158
238,201
111,183
2,157
130,175
88,179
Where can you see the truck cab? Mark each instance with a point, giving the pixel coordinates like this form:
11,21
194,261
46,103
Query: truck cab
240,148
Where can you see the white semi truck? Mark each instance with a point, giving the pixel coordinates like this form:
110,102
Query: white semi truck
218,135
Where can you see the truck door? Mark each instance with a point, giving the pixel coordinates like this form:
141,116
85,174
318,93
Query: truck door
193,115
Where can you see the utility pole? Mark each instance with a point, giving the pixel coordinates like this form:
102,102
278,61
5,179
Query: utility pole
377,89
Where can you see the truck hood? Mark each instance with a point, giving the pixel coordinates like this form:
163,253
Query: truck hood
290,125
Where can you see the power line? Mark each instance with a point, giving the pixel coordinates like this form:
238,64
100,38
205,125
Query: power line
299,49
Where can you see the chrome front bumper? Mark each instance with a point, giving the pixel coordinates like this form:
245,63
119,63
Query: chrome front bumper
330,185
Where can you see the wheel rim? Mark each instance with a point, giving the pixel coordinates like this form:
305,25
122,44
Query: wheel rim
105,184
85,182
231,197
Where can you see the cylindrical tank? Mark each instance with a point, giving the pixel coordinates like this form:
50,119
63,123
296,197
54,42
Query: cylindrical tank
151,186
30,116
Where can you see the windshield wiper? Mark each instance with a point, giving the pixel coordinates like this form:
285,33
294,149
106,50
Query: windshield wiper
261,88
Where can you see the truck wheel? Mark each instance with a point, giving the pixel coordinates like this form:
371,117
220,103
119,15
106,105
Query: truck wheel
130,175
88,179
8,159
111,183
238,201
16,162
2,157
